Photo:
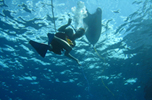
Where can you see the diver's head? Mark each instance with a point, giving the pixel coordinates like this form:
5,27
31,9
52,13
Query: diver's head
80,32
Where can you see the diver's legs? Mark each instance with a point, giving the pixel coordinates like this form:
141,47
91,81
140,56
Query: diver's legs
63,43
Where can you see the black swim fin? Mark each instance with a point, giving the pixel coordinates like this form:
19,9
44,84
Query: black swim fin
39,47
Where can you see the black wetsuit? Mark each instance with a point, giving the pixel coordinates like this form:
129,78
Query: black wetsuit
57,47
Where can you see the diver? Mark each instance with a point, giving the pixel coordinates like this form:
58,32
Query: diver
63,40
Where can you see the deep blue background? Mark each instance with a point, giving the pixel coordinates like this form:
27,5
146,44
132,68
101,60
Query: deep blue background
123,71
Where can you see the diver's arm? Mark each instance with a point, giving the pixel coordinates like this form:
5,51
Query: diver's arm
62,28
70,56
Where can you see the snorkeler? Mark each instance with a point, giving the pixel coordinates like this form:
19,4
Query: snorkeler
64,40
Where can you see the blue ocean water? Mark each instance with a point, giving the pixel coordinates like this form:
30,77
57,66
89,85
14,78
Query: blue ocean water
119,68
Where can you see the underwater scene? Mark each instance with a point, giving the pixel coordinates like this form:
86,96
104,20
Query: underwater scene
111,60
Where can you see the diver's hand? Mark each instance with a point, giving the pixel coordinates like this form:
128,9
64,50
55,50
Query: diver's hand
78,62
69,21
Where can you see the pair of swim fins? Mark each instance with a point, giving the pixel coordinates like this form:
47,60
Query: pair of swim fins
42,48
